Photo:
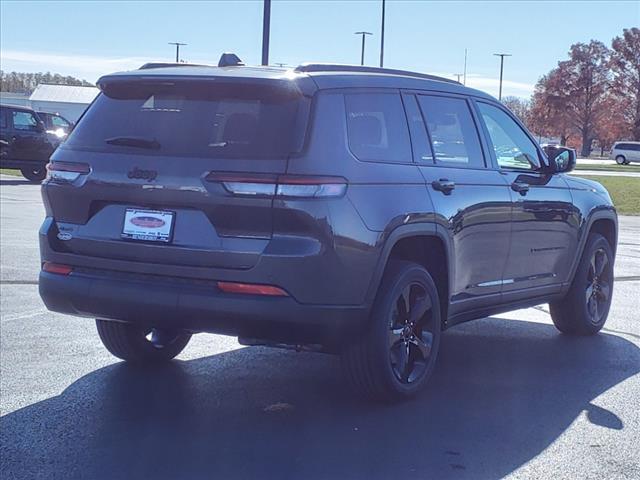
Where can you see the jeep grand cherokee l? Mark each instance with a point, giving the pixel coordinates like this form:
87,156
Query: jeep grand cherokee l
352,210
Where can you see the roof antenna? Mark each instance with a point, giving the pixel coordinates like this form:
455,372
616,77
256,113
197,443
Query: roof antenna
230,60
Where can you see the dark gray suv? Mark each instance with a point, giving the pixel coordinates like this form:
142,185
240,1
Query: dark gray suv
351,210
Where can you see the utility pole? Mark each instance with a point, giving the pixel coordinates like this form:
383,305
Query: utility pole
501,55
266,27
178,45
464,81
382,37
364,34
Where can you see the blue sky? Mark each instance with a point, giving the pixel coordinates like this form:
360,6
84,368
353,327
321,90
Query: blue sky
90,38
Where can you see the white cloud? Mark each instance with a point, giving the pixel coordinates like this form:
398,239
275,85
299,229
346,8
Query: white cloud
82,66
92,67
491,85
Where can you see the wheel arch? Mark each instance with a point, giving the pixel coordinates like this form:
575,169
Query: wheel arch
604,222
426,244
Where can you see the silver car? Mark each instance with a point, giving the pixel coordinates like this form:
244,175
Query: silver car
625,152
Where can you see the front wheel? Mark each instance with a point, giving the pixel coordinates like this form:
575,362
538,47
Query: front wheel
620,160
584,310
34,174
395,357
139,344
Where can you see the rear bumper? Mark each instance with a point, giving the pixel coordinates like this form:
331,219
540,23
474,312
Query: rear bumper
196,306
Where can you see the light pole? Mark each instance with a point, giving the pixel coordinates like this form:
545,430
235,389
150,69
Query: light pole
178,45
382,37
501,55
464,81
364,34
266,28
458,75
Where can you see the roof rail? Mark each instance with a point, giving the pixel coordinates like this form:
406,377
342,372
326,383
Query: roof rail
150,65
334,67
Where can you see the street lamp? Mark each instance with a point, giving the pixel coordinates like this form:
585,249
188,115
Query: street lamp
382,37
178,45
364,34
501,55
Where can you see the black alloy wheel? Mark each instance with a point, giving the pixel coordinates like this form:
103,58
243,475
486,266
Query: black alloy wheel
585,307
395,355
410,334
598,289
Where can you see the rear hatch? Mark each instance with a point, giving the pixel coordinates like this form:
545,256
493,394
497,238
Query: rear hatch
148,173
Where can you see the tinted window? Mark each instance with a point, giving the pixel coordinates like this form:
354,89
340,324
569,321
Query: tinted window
377,127
419,140
3,118
514,149
197,119
24,121
628,146
58,121
453,133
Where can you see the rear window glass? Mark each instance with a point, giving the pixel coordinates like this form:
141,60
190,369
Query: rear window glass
197,119
377,127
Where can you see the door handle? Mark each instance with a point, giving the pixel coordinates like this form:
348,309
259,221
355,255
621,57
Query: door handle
521,188
443,185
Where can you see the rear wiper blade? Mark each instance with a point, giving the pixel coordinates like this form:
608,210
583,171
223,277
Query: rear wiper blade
139,142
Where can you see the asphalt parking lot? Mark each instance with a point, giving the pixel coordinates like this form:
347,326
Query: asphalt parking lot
511,397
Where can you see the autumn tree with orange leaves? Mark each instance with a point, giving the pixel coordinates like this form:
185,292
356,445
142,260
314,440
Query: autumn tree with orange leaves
594,95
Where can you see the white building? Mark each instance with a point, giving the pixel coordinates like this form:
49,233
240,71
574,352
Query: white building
67,100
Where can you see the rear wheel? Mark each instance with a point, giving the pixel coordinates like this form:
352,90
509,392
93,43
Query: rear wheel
139,344
34,174
585,308
395,357
620,160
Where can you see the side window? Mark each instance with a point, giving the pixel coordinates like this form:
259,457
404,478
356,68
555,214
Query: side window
59,122
513,147
419,140
377,127
3,118
453,133
24,121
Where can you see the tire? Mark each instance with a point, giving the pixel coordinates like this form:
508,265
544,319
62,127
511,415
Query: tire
131,343
34,174
584,310
620,160
375,363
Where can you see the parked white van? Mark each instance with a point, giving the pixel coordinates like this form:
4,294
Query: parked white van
625,152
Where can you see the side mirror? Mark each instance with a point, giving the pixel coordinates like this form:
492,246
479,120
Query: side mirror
561,159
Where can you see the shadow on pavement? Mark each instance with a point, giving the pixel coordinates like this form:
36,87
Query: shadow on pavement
503,391
16,181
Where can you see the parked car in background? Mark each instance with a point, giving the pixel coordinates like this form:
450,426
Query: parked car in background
625,152
345,209
56,124
25,144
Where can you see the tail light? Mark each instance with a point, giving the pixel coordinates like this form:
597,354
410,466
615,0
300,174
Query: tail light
252,289
57,268
66,172
289,186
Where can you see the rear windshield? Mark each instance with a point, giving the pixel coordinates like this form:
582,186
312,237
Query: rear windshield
194,119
